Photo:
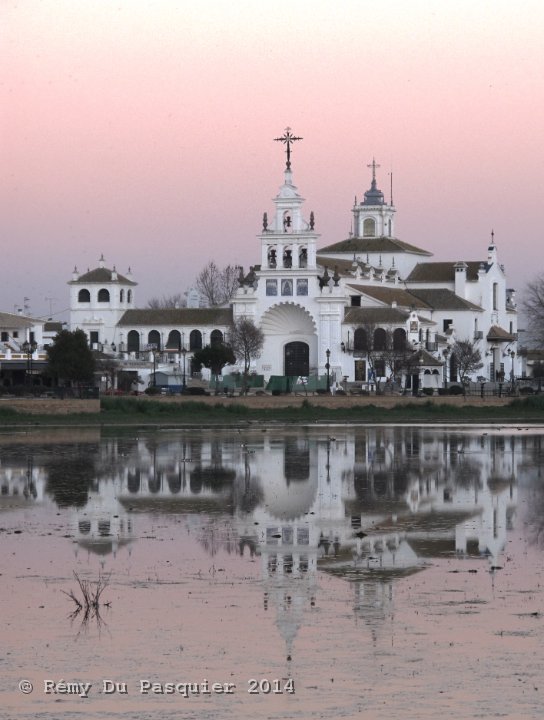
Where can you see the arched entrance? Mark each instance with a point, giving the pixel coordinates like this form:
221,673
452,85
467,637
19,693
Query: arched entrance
297,359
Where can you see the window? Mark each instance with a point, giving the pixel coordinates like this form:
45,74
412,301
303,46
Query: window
122,295
379,339
399,339
369,227
129,296
133,341
195,340
154,338
174,340
4,337
93,335
495,296
302,286
271,287
360,341
446,324
355,300
84,296
103,295
216,338
379,367
286,287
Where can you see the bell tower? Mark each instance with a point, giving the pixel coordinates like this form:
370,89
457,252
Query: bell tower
288,241
374,218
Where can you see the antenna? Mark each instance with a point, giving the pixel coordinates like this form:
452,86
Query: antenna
391,176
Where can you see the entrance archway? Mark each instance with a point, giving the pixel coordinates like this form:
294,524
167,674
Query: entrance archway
296,359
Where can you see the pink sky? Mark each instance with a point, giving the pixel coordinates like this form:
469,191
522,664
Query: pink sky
142,129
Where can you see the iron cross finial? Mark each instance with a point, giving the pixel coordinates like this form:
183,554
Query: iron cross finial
373,165
287,138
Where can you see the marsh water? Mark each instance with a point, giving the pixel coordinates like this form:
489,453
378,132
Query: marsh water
273,572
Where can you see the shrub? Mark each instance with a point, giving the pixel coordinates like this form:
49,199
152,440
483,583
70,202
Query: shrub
527,390
455,390
427,391
153,390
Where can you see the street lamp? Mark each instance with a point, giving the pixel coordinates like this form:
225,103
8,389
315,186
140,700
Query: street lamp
328,369
29,348
512,377
184,353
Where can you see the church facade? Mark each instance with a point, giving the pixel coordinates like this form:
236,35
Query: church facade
336,310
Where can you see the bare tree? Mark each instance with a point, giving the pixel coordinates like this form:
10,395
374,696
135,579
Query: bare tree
246,341
217,285
467,358
533,305
398,356
177,300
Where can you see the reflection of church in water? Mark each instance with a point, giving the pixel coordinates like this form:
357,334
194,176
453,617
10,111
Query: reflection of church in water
369,505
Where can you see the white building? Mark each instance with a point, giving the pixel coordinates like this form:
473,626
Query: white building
329,305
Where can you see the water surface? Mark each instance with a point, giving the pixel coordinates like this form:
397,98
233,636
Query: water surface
391,572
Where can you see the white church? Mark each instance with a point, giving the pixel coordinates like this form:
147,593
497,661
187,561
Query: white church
321,308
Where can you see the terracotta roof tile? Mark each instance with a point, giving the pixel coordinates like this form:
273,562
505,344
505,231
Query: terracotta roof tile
443,271
101,275
443,299
177,316
373,245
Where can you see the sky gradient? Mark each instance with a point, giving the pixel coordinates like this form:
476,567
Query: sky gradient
143,129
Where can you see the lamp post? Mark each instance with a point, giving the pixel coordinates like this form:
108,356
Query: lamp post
328,369
184,354
29,348
512,376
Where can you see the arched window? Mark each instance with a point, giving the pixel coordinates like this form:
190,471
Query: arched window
399,339
154,338
495,296
216,338
103,295
303,257
129,296
84,296
369,227
133,341
122,295
360,341
174,340
195,340
380,339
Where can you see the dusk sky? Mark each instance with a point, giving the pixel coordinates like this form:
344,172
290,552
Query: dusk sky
143,129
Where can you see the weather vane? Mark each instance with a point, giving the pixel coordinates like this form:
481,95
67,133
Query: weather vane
287,138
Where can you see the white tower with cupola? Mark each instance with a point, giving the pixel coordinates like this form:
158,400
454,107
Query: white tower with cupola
98,300
374,218
298,307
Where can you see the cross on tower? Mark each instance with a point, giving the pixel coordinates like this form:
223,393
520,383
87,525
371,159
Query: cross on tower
287,138
373,166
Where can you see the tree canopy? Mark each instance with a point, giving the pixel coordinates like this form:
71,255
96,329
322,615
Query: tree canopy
70,357
214,357
467,358
246,340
